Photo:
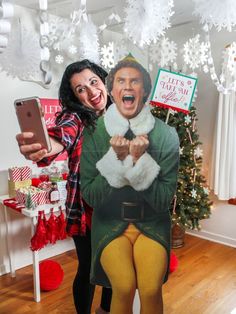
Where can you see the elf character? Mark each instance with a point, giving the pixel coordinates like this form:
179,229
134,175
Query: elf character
129,169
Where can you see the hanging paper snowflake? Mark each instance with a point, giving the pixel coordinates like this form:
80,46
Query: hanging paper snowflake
58,29
198,152
195,53
218,13
88,41
164,52
21,58
107,53
181,149
153,16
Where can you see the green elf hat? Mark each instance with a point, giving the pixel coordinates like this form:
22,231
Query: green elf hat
130,62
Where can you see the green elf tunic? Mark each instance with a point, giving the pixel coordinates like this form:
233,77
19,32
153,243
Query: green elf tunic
107,182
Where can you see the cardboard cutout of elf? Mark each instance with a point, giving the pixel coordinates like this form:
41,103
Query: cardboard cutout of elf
129,168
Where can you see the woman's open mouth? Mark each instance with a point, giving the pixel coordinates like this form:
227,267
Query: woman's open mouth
96,100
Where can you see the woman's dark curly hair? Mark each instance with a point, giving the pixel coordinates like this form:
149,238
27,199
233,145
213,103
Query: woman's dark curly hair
130,62
67,98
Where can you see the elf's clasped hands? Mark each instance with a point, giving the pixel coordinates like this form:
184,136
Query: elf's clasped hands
123,147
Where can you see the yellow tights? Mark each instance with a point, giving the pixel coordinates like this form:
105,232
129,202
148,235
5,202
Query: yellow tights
135,261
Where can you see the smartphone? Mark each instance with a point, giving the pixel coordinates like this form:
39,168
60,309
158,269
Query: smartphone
30,118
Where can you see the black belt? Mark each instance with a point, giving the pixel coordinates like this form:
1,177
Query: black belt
132,211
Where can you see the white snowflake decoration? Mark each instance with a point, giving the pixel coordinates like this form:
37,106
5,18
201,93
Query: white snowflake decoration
153,16
195,52
206,190
107,52
59,59
187,119
164,52
72,49
218,13
181,149
21,58
198,152
194,193
58,29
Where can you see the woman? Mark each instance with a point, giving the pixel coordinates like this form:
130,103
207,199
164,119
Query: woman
83,97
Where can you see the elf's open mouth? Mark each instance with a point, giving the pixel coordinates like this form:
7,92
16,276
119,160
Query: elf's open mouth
128,99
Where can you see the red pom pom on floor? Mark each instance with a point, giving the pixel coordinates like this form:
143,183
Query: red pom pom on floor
51,275
173,262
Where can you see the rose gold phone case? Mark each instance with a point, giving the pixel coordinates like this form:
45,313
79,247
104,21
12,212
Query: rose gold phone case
30,117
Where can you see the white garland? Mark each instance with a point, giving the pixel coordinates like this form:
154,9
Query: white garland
45,52
146,20
6,13
218,82
218,13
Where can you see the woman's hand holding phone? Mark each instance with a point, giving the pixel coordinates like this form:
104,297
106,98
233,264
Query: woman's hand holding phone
33,151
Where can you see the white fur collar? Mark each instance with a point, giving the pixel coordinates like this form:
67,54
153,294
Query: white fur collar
116,124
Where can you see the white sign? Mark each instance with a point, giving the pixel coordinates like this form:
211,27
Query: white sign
173,90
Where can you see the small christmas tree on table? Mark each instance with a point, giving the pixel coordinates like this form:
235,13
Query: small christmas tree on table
29,202
191,203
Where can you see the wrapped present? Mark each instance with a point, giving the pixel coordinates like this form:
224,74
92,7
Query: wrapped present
14,174
25,173
15,185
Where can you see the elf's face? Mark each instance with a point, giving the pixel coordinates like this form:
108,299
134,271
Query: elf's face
128,91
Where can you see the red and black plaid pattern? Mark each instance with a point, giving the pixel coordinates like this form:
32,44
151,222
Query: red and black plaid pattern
68,132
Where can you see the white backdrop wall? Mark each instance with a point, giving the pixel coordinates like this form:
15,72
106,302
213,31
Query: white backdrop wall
220,227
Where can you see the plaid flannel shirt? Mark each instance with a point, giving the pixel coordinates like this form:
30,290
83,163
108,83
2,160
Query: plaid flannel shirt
68,132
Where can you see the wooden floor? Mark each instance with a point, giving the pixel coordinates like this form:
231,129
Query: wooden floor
204,283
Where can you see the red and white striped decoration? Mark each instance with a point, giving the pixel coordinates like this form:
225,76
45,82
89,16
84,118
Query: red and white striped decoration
43,198
14,174
25,173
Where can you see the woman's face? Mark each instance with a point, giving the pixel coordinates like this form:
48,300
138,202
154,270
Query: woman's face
89,89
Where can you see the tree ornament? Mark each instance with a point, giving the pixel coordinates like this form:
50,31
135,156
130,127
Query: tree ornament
154,17
218,13
198,152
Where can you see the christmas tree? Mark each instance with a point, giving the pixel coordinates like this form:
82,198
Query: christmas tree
191,203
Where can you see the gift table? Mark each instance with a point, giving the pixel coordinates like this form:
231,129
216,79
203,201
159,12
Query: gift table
33,215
